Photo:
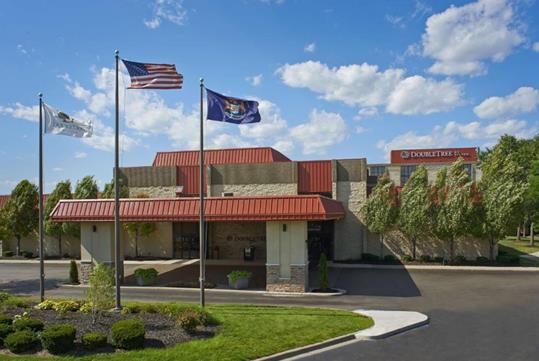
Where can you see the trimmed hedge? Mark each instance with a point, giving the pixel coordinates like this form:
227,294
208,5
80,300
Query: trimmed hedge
21,341
29,324
94,340
128,334
58,338
369,257
5,330
425,258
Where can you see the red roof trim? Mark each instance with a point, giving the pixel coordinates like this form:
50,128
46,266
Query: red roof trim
311,207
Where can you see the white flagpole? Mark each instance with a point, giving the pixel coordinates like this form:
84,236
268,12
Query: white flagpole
202,243
118,256
41,261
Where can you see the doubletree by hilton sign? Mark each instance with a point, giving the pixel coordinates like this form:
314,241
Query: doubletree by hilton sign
447,155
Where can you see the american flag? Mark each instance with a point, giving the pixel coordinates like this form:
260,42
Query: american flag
153,76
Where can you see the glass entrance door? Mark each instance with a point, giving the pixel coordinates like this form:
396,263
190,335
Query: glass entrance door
186,240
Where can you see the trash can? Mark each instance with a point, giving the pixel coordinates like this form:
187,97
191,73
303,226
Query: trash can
249,253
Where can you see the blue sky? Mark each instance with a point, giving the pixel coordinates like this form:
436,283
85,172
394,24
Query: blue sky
334,79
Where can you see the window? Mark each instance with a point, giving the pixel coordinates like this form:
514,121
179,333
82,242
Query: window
406,172
468,169
377,170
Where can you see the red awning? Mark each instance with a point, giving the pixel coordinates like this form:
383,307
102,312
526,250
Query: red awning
280,208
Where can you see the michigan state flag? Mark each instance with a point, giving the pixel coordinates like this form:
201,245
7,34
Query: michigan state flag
57,122
231,110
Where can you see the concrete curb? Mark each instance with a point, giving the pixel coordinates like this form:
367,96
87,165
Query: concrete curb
386,324
434,267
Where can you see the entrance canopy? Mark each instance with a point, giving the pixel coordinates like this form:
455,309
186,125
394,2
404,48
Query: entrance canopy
269,208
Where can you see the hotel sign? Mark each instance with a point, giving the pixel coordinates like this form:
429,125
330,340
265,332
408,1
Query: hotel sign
447,155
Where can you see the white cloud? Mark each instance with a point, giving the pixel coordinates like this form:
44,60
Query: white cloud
170,10
310,48
255,80
535,46
461,38
417,95
452,132
355,84
81,155
396,21
65,76
365,86
367,112
323,130
273,124
523,100
58,169
20,111
21,49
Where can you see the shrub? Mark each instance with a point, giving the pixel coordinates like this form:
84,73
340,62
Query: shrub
128,334
425,258
369,257
8,254
482,260
438,259
27,254
148,275
323,272
407,258
4,331
94,340
46,305
189,320
389,258
86,307
4,296
21,341
508,259
73,273
58,338
234,275
460,259
5,320
28,324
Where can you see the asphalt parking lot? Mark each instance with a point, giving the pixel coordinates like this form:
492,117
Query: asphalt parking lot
475,315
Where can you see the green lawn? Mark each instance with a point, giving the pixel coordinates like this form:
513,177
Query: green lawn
518,248
249,332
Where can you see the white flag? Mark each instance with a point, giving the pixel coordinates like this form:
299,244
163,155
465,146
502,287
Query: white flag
57,122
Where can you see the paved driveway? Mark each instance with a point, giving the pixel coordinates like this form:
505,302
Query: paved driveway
474,315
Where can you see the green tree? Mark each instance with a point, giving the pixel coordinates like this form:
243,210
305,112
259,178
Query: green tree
86,188
415,207
453,205
503,188
100,292
20,214
381,209
108,190
58,229
532,196
137,230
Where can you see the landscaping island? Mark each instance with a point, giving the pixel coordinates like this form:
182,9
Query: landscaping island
173,331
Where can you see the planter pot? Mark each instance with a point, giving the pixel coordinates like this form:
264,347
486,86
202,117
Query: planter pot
240,284
142,282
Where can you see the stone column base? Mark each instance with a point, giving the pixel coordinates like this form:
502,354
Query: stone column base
85,268
298,281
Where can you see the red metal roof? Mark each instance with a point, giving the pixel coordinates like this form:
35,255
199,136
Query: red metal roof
314,176
188,177
219,156
3,200
310,207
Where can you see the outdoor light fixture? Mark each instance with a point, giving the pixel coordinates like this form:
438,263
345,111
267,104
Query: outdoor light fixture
94,228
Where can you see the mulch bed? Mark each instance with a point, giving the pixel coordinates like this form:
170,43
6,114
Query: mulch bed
161,330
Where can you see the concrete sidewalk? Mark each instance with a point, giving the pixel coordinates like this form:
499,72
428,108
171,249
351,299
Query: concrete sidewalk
432,267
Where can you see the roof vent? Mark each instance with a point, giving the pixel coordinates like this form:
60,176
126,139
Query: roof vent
227,194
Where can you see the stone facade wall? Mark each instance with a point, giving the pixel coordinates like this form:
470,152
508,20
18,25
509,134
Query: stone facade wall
350,231
153,192
233,237
255,189
85,269
298,281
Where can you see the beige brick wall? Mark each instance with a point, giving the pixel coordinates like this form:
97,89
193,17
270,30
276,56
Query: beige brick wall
233,237
349,232
153,192
298,281
255,189
157,244
70,245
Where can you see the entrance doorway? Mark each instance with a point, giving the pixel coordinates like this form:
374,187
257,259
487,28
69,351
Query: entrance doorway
320,240
186,240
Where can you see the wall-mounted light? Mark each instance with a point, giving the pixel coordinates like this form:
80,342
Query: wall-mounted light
94,228
284,227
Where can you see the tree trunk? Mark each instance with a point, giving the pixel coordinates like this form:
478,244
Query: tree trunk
18,247
452,250
518,233
524,230
414,241
491,250
532,235
381,246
